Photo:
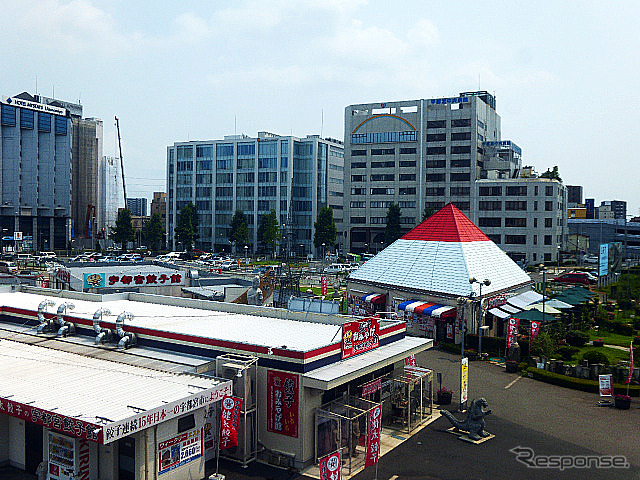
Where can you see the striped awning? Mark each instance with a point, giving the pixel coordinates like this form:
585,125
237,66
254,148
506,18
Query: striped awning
374,297
499,313
420,307
516,304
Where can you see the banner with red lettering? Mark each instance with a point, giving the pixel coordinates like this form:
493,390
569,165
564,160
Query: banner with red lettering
325,286
373,436
371,387
360,336
535,329
330,466
231,407
283,391
605,383
631,366
411,361
512,331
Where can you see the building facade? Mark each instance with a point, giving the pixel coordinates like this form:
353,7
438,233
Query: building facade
35,156
612,209
574,195
111,197
609,230
420,154
137,206
293,176
526,217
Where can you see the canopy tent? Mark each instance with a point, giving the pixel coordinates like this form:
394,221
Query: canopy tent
375,298
556,303
570,299
585,292
534,316
546,308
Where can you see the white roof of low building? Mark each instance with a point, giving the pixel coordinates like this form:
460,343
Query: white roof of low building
440,255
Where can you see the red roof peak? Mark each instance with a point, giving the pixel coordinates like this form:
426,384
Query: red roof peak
449,224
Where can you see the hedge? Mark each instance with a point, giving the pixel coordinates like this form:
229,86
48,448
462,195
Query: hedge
576,383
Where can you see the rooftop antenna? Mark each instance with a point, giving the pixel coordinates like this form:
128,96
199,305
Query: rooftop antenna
321,125
36,84
235,125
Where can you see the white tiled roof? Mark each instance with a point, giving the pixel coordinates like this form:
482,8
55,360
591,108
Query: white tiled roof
443,267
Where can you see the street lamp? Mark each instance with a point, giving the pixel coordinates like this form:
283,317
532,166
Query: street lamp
246,249
366,246
323,245
485,282
544,290
558,259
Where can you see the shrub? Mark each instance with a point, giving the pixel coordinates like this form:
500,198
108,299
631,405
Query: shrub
625,304
566,352
595,356
576,338
575,383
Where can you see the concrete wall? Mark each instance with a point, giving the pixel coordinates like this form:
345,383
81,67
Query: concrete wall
16,443
4,438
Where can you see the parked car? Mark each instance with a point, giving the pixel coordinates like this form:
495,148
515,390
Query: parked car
590,259
336,268
582,278
8,267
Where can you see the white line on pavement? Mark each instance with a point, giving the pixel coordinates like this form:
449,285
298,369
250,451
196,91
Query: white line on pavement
514,381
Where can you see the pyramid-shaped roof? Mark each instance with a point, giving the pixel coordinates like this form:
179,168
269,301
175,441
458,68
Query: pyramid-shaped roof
440,255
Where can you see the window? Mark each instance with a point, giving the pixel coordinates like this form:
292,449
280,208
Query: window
391,164
383,177
244,192
203,164
358,191
224,150
61,125
548,239
461,136
267,205
383,191
27,119
407,151
490,191
333,166
515,222
437,124
436,137
535,190
535,222
188,422
44,123
226,205
358,153
223,164
266,163
465,162
548,206
246,149
461,122
8,114
267,190
495,237
535,205
358,204
246,163
436,164
515,205
489,222
436,150
337,194
459,177
548,190
383,151
481,125
434,205
407,220
384,137
435,177
407,204
517,191
548,222
407,177
224,191
490,205
358,164
515,239
203,192
535,239
435,191
203,204
358,178
268,177
547,257
460,149
246,177
407,191
358,219
378,220
338,181
407,163
380,204
460,191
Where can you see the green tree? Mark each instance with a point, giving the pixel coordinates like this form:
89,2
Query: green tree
325,228
269,230
428,211
153,232
187,228
239,232
123,232
392,231
552,173
544,345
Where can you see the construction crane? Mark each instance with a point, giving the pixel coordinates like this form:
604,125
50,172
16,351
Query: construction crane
124,187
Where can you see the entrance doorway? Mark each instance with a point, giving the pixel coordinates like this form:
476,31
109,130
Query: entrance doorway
127,458
32,446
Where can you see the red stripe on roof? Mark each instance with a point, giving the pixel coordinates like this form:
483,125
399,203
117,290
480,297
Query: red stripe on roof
449,224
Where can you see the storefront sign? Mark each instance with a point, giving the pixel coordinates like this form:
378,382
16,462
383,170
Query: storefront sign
153,279
373,436
149,418
496,301
512,331
360,336
325,286
231,407
71,426
330,466
606,385
283,391
449,331
38,107
535,329
371,387
179,450
464,380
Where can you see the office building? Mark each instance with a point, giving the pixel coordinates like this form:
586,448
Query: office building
159,205
35,156
137,206
293,176
420,154
608,230
526,217
612,209
590,205
574,195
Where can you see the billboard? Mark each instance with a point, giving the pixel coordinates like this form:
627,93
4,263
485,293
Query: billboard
603,264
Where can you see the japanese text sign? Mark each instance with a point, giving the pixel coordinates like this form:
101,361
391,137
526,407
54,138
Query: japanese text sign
512,331
330,466
122,280
283,391
360,336
179,450
606,385
231,407
373,435
464,380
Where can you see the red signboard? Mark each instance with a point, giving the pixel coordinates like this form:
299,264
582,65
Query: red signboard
535,329
325,286
360,336
512,331
373,436
283,391
231,407
411,361
371,387
330,466
71,426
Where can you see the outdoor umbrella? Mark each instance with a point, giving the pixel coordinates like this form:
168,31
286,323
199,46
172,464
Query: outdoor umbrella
534,316
555,303
548,309
571,299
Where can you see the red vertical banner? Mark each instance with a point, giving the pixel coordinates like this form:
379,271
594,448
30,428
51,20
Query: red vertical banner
411,361
325,286
535,329
283,392
231,407
330,466
373,435
631,366
512,331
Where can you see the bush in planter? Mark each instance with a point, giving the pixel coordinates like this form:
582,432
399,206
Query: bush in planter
576,338
595,356
566,352
444,396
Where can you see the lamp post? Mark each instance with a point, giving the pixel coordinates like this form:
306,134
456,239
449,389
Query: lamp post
323,254
246,249
366,246
544,290
485,282
558,259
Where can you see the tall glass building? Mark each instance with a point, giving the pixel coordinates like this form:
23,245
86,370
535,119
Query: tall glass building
294,176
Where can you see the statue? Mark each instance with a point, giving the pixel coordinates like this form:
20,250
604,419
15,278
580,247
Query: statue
254,294
474,423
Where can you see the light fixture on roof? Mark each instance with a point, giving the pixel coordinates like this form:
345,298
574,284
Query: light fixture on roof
485,282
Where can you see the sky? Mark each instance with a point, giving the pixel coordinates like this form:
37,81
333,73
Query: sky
565,73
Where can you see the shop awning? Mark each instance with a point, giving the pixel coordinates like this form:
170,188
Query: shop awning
499,313
420,307
524,299
339,373
375,298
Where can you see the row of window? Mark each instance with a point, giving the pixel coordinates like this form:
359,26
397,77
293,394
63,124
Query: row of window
453,177
453,191
514,191
384,177
382,204
27,120
521,239
455,123
454,150
442,137
384,151
496,205
382,220
515,222
387,164
384,137
383,191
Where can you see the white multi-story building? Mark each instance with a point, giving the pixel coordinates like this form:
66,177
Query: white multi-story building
294,176
110,193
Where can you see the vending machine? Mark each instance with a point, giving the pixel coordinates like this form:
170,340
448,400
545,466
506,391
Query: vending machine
71,458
